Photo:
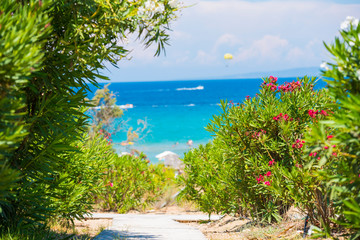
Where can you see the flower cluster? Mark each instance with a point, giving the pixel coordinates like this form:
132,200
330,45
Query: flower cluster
261,178
299,144
324,65
329,137
151,8
313,154
283,117
271,162
349,21
290,87
313,113
272,84
273,79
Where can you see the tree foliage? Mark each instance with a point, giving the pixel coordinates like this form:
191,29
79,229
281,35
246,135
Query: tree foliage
342,174
49,52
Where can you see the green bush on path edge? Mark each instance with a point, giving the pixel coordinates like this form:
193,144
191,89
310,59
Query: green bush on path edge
288,146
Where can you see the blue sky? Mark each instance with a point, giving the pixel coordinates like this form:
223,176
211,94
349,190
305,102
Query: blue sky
261,35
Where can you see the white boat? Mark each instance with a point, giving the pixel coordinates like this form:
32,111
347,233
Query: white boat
126,106
191,89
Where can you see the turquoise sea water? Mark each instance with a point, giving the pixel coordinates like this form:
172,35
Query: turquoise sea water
176,111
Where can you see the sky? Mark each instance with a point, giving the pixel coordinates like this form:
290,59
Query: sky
262,36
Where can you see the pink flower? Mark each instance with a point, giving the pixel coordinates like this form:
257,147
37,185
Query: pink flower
324,113
282,116
298,144
314,154
334,154
312,113
260,178
268,174
326,147
271,86
111,184
267,183
330,137
273,79
271,162
289,87
333,146
310,154
318,158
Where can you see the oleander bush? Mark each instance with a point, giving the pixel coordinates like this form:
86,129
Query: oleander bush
49,52
289,145
339,165
256,161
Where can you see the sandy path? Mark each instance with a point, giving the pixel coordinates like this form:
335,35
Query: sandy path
151,226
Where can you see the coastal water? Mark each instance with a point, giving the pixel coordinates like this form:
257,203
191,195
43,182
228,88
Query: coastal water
175,111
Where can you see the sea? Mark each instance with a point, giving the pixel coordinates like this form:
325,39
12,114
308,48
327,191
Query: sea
175,113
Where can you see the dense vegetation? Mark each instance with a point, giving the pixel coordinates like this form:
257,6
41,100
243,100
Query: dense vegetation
289,145
256,158
49,52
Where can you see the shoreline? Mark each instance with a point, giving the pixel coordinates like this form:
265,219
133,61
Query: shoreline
153,149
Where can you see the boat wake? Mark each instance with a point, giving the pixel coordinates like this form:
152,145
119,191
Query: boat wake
191,89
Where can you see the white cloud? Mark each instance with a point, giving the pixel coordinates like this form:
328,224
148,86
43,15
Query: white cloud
204,58
295,54
180,35
268,48
273,34
226,40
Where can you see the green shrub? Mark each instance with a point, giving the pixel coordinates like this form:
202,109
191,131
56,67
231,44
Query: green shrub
81,178
339,165
258,145
131,183
50,52
210,179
